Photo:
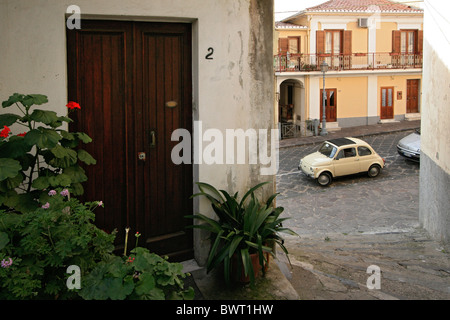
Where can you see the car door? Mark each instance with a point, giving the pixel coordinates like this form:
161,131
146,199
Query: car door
365,158
346,162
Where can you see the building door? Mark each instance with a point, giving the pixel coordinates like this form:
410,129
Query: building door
133,82
387,103
330,104
412,96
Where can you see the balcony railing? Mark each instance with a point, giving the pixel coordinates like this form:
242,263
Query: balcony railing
341,62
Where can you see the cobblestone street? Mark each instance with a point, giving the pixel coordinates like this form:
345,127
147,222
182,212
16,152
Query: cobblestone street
354,203
357,222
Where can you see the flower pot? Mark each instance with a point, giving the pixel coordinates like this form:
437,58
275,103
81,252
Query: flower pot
237,269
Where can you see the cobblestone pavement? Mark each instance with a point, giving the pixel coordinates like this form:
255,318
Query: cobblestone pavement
354,203
357,222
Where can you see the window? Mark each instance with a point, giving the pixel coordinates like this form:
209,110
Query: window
364,151
328,150
350,152
333,42
407,41
294,45
386,97
289,44
346,153
387,103
335,47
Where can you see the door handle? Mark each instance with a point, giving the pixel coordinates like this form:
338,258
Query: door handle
152,139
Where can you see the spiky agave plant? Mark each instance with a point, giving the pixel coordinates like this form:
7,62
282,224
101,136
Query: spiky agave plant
245,226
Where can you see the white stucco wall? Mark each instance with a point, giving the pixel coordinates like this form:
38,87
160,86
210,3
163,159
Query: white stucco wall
234,90
435,134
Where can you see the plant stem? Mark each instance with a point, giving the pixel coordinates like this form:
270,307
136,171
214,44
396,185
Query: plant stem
30,177
21,109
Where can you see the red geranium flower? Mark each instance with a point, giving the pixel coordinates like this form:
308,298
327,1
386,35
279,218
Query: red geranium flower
73,105
22,134
5,132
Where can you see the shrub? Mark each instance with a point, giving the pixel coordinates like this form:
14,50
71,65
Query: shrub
143,275
43,231
41,244
42,156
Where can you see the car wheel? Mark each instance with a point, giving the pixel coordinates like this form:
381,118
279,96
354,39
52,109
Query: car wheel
374,170
324,179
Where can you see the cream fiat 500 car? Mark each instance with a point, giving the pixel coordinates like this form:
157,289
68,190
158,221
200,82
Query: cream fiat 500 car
340,157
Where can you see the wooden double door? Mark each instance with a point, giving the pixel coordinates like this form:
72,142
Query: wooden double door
133,82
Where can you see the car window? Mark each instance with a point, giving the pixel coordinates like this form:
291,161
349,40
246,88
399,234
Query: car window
346,153
349,152
364,151
328,149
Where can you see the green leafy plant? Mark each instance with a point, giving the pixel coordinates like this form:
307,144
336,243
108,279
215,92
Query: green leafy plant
37,247
244,227
40,156
141,276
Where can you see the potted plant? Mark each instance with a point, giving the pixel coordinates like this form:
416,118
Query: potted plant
246,229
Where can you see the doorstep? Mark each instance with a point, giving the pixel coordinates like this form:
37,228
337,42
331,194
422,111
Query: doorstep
412,116
273,286
331,126
388,121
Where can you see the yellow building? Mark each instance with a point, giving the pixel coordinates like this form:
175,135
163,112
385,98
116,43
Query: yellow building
373,49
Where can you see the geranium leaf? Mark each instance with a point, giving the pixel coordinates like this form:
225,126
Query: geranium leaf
67,135
84,137
46,117
43,138
8,119
15,148
77,189
9,168
76,174
32,99
16,97
41,183
4,239
84,156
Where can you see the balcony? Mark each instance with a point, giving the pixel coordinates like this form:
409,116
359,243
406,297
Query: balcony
341,62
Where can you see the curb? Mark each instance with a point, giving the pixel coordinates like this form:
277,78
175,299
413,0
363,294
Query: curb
340,134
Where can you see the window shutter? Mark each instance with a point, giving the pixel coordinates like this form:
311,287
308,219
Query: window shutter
320,42
282,45
294,44
347,42
396,39
419,42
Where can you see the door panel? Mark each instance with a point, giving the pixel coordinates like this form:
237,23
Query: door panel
412,96
330,104
387,103
346,162
122,74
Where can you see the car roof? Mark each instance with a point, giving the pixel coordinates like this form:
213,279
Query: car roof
339,142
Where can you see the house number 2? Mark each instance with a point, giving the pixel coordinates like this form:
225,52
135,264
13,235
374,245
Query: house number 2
210,53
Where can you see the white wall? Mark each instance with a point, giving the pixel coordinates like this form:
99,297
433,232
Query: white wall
434,210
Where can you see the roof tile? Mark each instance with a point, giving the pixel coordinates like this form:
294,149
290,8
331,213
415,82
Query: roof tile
362,5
